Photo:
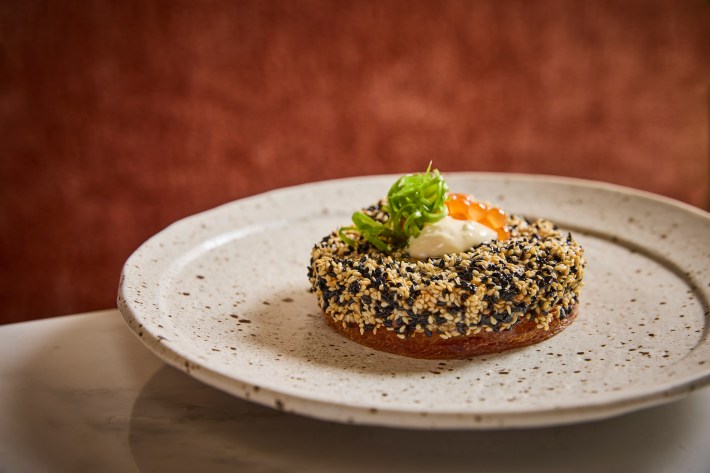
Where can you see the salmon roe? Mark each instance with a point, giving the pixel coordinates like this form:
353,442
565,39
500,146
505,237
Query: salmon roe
463,207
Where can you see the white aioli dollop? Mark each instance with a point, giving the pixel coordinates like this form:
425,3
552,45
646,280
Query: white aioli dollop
449,235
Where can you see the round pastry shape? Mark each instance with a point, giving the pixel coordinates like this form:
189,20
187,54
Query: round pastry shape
494,297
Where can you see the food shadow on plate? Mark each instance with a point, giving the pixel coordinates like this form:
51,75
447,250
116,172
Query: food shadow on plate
291,323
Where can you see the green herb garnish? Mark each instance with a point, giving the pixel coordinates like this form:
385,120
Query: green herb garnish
413,201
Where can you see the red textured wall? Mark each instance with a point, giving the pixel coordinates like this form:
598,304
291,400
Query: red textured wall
117,118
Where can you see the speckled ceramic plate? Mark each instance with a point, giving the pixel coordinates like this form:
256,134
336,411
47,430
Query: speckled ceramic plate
223,295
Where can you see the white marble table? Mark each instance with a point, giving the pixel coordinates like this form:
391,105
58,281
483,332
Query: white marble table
81,393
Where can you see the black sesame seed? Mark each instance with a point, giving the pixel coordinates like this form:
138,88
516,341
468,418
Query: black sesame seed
509,294
453,310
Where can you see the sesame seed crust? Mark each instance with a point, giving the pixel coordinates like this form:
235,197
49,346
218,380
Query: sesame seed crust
531,280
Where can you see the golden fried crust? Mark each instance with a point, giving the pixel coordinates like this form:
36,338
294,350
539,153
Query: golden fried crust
418,345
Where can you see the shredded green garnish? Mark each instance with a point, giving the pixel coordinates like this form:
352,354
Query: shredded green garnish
413,201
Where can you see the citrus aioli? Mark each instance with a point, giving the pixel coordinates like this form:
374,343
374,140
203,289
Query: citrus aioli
449,235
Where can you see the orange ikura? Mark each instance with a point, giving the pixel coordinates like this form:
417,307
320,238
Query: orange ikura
464,207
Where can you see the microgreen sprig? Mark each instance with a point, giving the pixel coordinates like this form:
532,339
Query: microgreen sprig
413,201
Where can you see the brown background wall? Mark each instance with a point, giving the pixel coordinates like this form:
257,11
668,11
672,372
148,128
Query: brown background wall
118,118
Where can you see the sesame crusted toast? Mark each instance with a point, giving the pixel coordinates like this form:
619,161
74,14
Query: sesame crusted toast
494,297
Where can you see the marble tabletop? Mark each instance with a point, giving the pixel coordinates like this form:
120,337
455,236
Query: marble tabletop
81,393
